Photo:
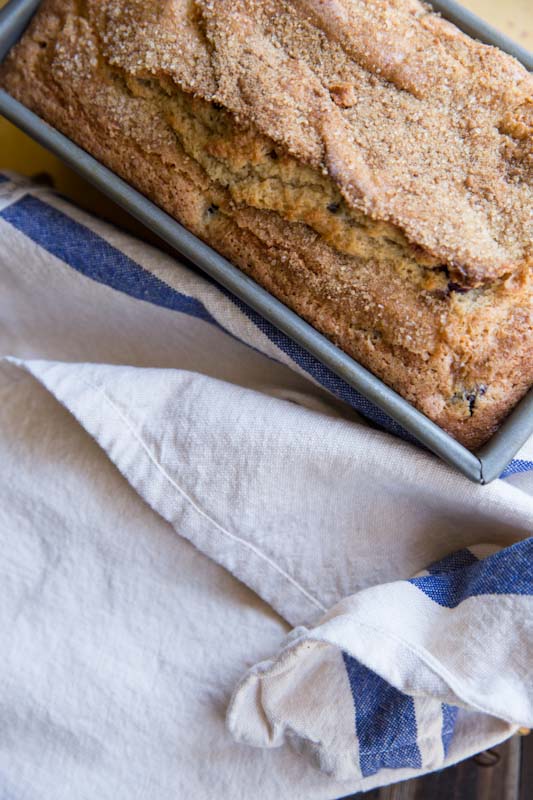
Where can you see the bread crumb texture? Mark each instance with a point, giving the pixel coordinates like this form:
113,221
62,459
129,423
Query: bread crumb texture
364,160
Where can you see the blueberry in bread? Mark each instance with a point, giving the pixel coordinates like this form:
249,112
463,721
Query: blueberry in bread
364,160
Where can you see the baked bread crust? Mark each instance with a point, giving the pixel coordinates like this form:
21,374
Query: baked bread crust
364,161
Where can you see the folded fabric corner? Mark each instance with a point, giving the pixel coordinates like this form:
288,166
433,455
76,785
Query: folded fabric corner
291,698
406,677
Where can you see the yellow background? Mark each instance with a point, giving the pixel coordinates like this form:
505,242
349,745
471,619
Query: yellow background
19,153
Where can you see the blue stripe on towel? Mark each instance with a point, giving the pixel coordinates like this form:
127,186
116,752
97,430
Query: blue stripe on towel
90,254
510,571
3,178
385,722
321,373
449,718
457,560
516,466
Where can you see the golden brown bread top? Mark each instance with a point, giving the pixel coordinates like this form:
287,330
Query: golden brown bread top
416,123
462,356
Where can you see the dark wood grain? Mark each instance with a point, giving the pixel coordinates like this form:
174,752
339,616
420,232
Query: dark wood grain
506,773
526,768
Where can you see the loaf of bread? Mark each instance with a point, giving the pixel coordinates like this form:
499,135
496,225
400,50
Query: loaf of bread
364,160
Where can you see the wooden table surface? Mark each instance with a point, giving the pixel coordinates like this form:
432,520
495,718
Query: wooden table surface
506,773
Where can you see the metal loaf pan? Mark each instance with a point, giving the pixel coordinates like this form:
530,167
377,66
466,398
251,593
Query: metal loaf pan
481,467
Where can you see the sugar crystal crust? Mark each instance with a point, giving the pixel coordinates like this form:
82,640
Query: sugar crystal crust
365,161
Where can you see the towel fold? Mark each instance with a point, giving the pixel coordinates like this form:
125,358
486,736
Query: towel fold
389,678
247,448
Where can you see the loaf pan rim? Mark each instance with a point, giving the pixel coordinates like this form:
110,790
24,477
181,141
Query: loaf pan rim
481,467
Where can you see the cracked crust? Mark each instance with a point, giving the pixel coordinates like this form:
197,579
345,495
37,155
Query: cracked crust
380,185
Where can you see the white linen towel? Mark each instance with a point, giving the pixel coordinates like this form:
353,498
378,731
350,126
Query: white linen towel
234,436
